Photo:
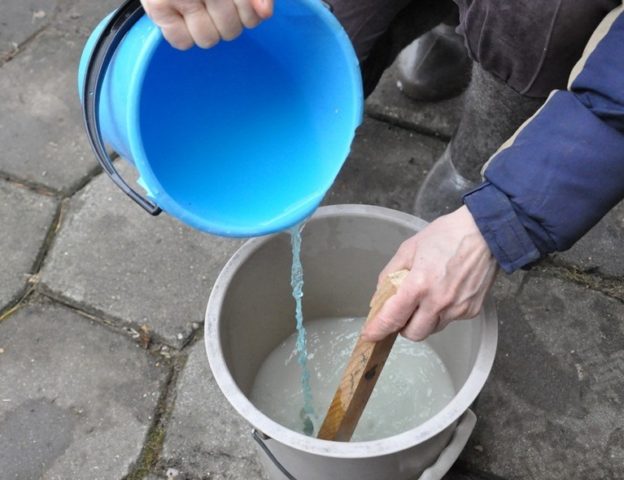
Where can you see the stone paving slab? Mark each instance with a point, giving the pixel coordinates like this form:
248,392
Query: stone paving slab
205,437
76,399
83,15
599,250
553,406
21,241
20,20
388,103
41,130
41,126
385,166
113,257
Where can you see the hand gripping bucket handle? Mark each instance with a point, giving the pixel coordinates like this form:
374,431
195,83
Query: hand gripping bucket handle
117,26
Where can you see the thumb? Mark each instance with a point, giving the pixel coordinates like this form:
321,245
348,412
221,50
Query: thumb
263,8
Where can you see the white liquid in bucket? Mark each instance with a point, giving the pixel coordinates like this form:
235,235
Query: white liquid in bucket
413,386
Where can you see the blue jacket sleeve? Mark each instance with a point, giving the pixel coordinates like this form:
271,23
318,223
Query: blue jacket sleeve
563,170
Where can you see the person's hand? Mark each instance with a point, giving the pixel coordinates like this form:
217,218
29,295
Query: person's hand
451,271
205,22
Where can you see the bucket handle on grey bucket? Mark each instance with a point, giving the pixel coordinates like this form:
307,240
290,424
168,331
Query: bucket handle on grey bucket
260,437
118,25
435,472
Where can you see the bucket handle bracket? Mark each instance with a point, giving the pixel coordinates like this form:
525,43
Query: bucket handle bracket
120,22
260,437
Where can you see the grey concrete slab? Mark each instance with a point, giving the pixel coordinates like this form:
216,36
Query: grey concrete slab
385,167
599,249
41,132
20,20
26,217
388,103
205,437
552,408
81,16
111,256
76,399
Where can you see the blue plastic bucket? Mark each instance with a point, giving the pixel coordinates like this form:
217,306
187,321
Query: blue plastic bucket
242,139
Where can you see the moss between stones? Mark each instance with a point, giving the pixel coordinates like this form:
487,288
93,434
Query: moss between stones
612,287
150,454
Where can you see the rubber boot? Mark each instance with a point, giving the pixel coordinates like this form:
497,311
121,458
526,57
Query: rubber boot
492,113
416,19
434,67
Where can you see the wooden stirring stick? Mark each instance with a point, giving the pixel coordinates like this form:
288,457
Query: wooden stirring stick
362,372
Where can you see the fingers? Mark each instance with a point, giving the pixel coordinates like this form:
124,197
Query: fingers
205,22
263,8
247,13
438,309
171,23
202,29
423,323
395,312
224,14
177,34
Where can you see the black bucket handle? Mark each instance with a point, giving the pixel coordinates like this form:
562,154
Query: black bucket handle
117,26
260,438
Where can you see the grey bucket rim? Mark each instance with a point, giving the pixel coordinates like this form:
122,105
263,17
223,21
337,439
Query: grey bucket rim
386,446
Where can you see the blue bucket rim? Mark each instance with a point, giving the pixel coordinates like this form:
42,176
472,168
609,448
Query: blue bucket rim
168,204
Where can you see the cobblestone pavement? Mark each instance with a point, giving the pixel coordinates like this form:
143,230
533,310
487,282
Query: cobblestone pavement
102,368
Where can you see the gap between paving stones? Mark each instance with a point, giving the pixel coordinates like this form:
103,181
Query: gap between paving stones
405,125
33,279
148,462
16,304
84,181
7,57
154,440
30,185
612,287
50,192
47,242
125,327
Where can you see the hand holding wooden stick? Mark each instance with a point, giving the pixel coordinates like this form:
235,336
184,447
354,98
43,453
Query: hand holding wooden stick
363,370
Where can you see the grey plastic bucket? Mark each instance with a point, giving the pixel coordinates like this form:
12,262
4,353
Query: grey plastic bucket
251,311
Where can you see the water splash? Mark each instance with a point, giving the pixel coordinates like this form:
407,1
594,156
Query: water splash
307,413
